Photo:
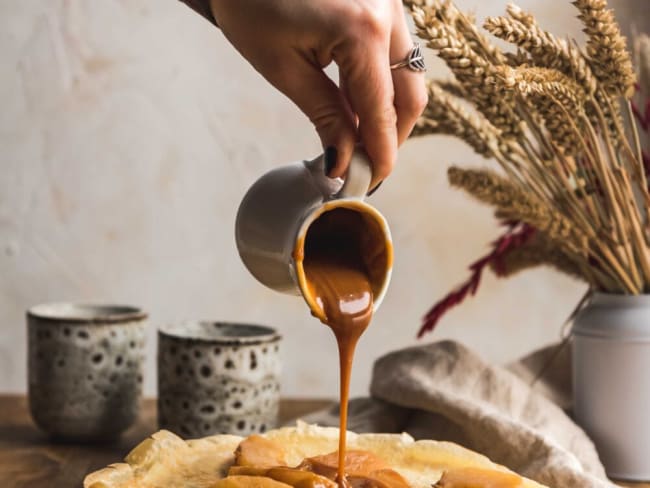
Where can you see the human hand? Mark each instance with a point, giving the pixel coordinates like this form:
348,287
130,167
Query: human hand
290,42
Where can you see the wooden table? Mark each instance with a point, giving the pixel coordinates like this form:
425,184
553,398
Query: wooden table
29,460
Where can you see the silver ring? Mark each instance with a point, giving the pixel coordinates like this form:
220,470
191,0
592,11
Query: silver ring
413,60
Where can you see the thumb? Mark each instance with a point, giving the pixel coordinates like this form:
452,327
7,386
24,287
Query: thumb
323,102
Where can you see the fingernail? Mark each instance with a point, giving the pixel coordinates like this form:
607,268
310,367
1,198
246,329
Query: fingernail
330,156
374,189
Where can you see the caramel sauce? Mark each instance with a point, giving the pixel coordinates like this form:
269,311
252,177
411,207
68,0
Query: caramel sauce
340,283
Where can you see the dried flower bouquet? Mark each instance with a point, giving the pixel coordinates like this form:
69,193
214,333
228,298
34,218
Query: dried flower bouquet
572,185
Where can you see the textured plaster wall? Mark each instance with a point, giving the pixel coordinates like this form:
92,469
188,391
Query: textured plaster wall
130,130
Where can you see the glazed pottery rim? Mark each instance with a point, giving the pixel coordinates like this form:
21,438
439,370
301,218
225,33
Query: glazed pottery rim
604,298
86,313
192,331
359,206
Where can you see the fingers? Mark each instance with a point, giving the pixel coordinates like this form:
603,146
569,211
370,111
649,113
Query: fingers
364,68
325,105
410,91
375,105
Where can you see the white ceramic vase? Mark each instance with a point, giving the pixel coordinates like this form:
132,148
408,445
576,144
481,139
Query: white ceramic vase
611,381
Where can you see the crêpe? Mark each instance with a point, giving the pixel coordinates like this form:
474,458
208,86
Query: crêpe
165,460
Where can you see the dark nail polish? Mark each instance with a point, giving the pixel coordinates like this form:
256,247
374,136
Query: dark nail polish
374,189
331,154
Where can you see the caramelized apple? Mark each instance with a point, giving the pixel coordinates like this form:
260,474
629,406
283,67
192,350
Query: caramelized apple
389,478
248,482
299,478
478,478
357,463
259,452
290,476
247,471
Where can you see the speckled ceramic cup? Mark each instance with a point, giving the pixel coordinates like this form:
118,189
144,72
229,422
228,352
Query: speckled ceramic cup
85,369
216,377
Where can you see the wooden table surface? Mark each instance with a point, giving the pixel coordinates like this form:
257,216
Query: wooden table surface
28,459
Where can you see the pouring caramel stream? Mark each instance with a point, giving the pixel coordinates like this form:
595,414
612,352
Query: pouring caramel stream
341,286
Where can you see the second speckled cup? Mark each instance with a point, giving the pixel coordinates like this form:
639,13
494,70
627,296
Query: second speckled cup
218,378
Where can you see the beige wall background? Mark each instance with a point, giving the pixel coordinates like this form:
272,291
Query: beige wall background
130,130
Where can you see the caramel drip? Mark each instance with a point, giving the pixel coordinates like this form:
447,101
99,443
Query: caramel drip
347,302
339,282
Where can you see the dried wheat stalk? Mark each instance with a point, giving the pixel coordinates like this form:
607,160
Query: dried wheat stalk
550,115
513,204
544,48
608,55
538,251
445,114
642,61
436,23
550,93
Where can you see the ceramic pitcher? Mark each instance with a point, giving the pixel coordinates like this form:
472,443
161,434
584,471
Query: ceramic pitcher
276,213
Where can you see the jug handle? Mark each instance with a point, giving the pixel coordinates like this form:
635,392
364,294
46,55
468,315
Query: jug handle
358,177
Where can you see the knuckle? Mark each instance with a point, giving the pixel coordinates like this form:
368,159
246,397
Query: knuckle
331,122
325,118
410,104
416,104
384,118
369,23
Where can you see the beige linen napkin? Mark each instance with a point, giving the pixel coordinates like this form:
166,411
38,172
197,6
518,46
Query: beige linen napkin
445,391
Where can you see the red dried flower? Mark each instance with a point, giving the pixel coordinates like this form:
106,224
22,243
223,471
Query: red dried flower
516,235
